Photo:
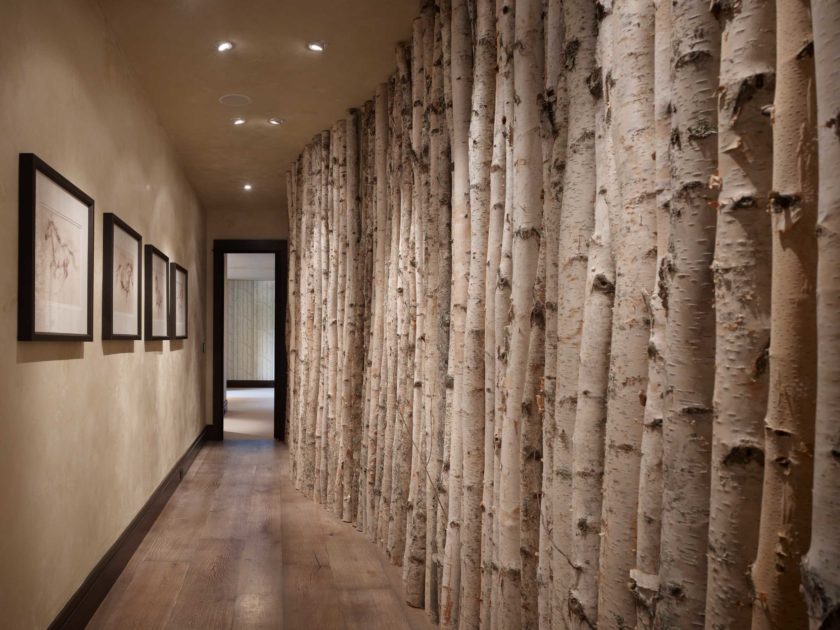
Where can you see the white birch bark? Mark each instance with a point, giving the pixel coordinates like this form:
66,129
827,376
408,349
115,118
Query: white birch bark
633,223
554,122
414,560
594,363
687,428
576,226
437,341
530,458
644,578
472,402
741,267
785,523
501,299
821,568
403,421
380,276
353,331
461,82
386,451
528,64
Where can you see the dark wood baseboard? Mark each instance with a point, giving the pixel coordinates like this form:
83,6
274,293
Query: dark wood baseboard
82,606
240,384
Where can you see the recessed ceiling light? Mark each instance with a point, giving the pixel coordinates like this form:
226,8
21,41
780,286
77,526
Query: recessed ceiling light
235,100
224,46
248,187
275,121
238,121
319,46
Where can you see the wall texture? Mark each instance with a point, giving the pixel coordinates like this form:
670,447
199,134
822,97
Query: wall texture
88,430
249,334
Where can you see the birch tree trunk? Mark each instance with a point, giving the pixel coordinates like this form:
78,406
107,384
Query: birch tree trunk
353,334
821,569
501,300
784,532
385,451
528,64
687,430
461,82
554,149
644,578
437,341
403,421
633,229
576,226
590,425
494,252
533,407
472,408
742,261
414,562
380,276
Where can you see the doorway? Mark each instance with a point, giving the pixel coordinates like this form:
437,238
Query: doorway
249,382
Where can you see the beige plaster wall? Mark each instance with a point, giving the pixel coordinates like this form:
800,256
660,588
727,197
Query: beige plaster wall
87,431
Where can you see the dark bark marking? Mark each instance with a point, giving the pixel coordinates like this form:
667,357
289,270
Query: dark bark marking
743,455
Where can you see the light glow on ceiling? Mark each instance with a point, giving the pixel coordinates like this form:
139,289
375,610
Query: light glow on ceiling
275,121
318,46
224,46
238,121
247,187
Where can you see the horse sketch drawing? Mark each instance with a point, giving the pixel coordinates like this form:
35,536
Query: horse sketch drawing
62,258
125,277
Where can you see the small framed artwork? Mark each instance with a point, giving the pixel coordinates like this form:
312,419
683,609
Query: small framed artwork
121,273
157,294
179,300
55,256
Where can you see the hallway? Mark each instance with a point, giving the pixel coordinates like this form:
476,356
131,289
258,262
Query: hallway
210,561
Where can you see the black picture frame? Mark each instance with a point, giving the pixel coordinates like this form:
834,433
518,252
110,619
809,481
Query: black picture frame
110,222
30,165
151,294
174,270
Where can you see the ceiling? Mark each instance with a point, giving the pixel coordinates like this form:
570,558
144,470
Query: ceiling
250,266
171,47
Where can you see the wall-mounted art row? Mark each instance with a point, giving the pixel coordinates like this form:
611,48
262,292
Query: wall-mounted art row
157,294
55,256
121,274
179,300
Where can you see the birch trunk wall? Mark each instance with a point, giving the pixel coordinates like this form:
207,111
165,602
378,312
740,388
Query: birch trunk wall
569,276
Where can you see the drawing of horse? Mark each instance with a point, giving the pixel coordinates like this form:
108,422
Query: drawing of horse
62,257
125,277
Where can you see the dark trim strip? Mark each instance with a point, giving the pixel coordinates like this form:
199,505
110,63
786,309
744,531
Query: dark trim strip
80,609
250,384
281,250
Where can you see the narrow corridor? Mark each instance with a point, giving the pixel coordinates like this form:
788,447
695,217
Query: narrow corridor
213,558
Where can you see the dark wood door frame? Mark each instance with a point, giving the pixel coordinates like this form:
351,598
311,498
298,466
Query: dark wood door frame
280,250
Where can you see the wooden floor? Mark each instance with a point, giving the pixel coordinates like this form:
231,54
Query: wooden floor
238,547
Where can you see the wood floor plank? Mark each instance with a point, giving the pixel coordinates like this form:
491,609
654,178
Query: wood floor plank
238,547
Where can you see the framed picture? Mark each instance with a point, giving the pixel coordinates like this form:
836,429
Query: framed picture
121,273
55,256
157,294
179,300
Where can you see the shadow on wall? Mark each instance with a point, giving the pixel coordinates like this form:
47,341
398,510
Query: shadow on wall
40,351
117,346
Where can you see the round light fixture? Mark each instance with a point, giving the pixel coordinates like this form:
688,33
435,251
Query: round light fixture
224,46
247,187
275,121
235,100
319,46
238,121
